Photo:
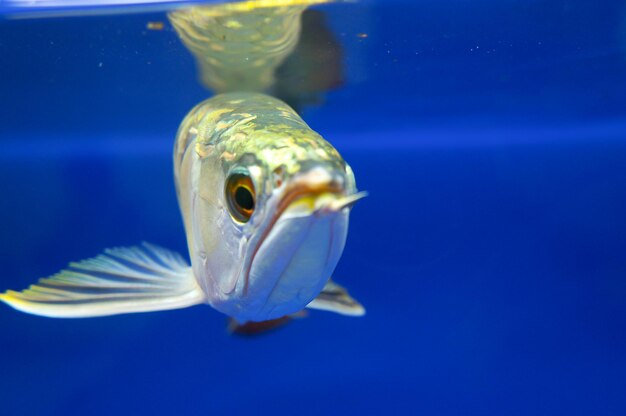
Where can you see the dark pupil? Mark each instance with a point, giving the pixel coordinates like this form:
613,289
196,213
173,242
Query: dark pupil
244,199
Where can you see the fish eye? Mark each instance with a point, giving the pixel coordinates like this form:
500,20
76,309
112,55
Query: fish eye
240,196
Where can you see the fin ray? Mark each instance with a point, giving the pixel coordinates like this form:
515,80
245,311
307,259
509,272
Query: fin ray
335,298
122,280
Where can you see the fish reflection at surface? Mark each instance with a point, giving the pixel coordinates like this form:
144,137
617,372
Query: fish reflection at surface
288,51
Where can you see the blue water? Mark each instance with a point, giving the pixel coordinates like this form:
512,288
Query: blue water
490,255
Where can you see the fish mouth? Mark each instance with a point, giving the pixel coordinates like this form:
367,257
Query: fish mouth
307,195
314,200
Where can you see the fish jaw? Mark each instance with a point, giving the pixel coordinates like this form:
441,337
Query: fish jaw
293,262
292,256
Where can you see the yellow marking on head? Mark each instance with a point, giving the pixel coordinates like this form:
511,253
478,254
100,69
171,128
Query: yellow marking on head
217,113
228,156
221,125
203,150
238,136
321,152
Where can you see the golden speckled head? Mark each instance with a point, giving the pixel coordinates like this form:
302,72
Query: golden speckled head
265,201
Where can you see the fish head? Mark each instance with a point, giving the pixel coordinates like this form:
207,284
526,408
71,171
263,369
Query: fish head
277,222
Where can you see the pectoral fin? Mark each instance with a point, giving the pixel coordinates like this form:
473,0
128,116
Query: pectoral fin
335,298
122,280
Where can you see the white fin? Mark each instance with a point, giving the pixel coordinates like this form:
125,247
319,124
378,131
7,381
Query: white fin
122,280
335,298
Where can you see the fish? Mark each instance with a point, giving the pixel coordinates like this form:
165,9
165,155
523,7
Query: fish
265,203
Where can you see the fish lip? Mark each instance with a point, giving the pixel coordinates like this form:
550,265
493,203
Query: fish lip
292,194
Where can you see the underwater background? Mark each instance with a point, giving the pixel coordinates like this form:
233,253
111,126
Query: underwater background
490,254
